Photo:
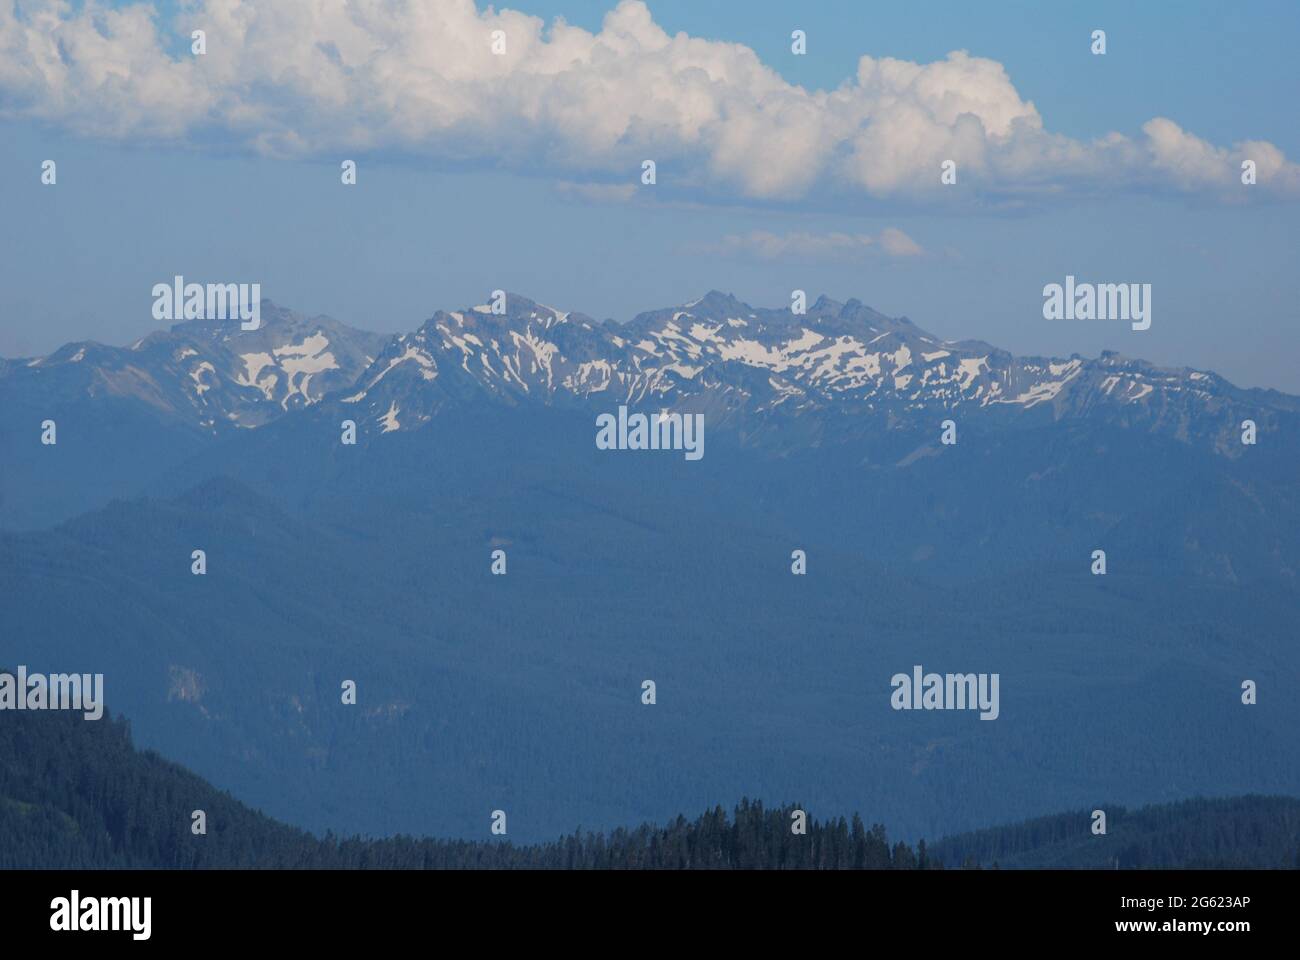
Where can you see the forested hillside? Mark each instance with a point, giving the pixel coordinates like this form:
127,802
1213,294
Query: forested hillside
76,794
490,692
1227,832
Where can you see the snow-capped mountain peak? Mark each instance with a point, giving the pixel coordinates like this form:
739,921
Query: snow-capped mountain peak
211,374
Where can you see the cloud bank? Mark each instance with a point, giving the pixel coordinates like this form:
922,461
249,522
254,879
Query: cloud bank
419,78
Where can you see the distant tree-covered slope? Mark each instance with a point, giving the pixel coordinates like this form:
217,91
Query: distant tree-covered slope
77,794
1225,832
485,691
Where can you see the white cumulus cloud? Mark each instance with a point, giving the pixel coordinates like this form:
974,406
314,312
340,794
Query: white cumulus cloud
420,78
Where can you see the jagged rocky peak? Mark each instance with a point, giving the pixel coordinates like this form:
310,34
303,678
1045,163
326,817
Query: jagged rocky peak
508,308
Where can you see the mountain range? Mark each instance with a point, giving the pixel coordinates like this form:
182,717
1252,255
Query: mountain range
371,562
839,397
831,375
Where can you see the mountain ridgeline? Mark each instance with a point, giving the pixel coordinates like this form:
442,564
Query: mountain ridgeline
841,404
372,563
75,794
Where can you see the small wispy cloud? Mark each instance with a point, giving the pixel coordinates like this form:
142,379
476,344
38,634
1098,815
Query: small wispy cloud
898,244
802,245
597,192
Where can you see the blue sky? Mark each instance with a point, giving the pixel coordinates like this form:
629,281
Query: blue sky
441,216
